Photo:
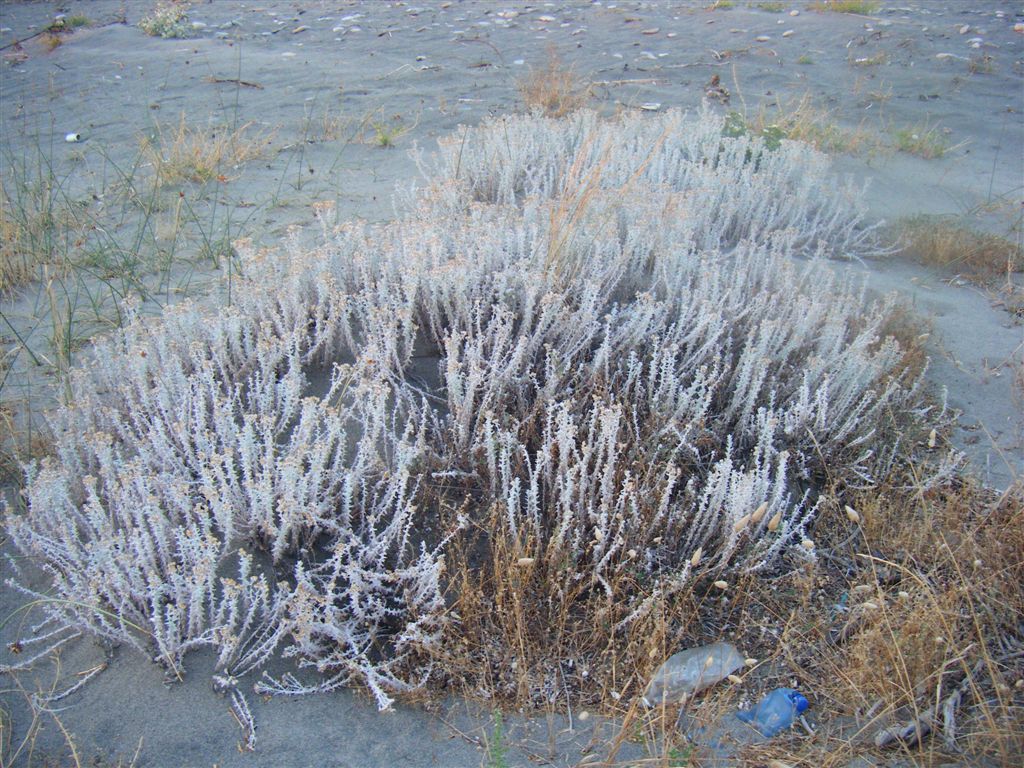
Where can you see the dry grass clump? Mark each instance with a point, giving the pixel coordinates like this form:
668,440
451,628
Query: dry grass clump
936,613
16,267
981,64
37,224
910,331
905,633
553,89
51,40
187,154
950,244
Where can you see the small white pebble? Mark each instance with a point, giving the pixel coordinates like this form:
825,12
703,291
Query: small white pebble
583,716
788,33
794,12
750,662
807,544
735,679
722,584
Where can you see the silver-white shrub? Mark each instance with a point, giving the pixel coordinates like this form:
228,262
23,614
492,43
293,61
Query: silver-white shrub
730,189
213,446
638,345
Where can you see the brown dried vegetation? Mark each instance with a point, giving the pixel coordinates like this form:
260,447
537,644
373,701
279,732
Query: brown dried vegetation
554,89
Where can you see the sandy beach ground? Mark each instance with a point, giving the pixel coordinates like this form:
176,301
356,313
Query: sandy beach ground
330,97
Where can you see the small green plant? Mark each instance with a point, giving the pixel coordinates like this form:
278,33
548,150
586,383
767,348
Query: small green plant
771,7
385,135
773,136
496,748
679,757
168,20
924,140
804,59
736,125
77,21
862,7
719,5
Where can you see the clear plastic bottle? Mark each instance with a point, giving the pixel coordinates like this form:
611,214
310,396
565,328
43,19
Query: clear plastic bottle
690,671
776,712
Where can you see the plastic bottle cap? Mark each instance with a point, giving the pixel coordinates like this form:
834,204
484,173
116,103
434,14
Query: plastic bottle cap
800,702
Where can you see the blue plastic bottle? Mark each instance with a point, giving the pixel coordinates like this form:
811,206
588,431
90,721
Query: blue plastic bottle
776,712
